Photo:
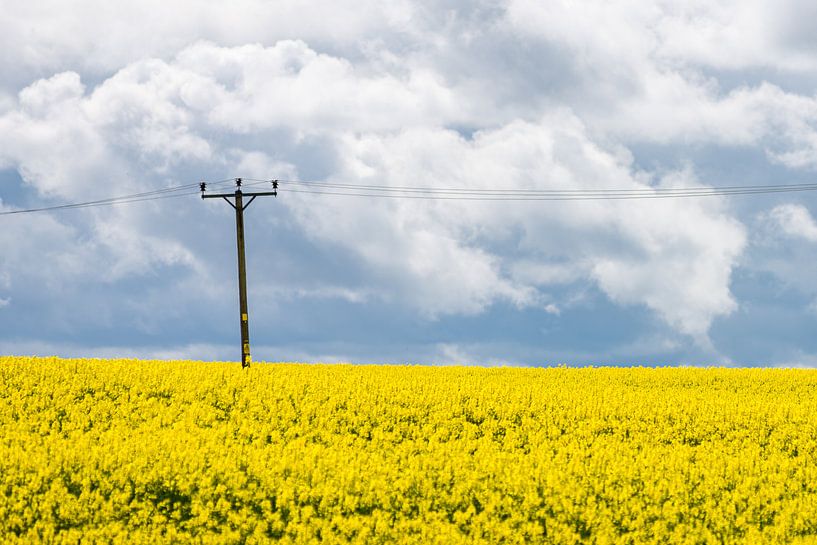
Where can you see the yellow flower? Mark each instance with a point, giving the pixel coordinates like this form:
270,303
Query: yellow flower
128,451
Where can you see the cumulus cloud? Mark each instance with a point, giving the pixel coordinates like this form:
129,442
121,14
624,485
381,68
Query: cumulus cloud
98,39
725,35
794,220
651,69
496,96
252,88
441,258
635,252
783,125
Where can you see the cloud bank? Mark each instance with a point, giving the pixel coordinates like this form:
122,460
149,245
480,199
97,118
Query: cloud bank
516,95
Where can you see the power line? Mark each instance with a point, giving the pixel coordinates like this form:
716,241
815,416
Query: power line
544,191
329,188
578,197
165,193
516,194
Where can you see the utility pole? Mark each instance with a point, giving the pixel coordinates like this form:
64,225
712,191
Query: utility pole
238,204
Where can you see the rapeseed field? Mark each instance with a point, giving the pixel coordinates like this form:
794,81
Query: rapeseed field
127,451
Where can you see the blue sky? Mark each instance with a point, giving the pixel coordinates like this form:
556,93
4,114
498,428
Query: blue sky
500,95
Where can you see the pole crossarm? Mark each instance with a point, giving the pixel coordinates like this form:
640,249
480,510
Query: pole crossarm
226,196
253,194
240,205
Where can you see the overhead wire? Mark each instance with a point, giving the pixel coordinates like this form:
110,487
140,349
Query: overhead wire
539,190
331,188
164,193
528,194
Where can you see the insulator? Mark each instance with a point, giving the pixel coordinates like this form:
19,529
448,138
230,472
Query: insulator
275,184
202,186
238,182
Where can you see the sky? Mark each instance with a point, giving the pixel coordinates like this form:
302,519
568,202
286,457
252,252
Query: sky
101,99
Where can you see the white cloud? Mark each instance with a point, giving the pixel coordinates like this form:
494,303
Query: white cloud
645,71
458,354
662,255
153,114
736,34
65,140
97,38
636,71
794,220
51,143
252,88
521,95
673,109
439,258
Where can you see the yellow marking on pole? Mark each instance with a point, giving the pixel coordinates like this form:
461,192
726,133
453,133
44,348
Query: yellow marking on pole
244,317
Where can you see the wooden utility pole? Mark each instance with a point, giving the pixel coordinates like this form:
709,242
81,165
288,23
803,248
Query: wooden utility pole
238,204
